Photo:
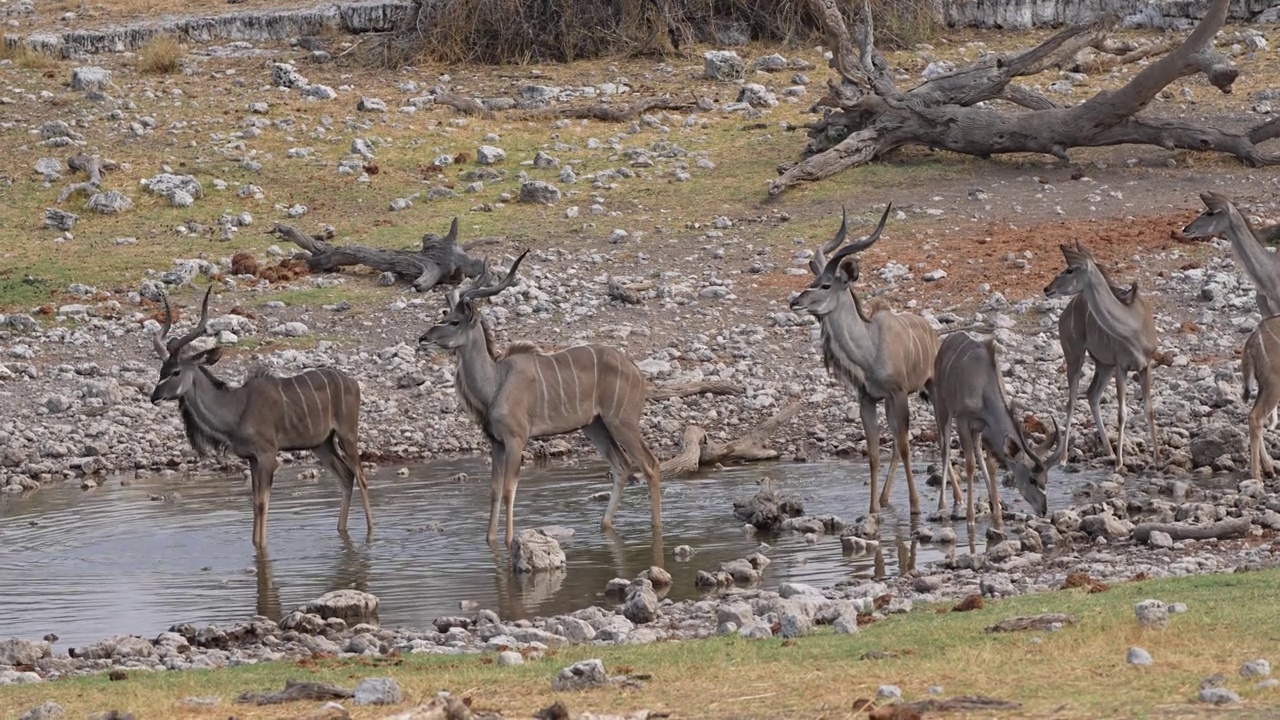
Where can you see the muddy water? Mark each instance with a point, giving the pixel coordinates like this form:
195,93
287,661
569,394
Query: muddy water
119,559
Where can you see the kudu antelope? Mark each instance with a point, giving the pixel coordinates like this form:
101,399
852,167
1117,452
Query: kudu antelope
318,410
1113,327
877,354
522,393
966,388
1221,219
1262,345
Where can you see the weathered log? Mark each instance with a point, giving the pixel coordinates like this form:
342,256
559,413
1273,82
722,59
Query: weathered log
1221,530
295,690
714,387
748,448
629,294
874,117
439,261
1032,622
463,104
625,113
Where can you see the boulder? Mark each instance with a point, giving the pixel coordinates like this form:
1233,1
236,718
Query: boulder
534,551
351,606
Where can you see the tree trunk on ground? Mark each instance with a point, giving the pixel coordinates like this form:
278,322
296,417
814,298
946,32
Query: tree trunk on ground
1221,530
439,261
872,116
696,452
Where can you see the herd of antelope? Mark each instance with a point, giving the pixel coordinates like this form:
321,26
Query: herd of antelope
521,393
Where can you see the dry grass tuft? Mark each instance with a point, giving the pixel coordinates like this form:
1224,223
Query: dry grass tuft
162,55
26,57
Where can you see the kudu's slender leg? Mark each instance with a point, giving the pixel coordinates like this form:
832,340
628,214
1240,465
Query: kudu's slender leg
262,469
993,492
1098,385
629,438
329,456
1120,416
497,470
967,437
1260,462
510,478
871,428
899,418
1144,376
618,467
943,419
1075,369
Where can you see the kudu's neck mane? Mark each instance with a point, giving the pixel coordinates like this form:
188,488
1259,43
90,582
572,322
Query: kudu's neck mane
205,436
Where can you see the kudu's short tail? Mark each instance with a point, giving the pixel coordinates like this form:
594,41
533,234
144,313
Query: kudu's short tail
1246,369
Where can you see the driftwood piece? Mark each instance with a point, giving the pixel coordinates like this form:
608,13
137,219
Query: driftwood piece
1221,530
439,261
873,117
714,387
1032,622
625,113
93,166
696,452
295,690
963,703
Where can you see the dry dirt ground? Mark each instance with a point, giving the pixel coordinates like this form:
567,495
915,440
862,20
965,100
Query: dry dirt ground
992,225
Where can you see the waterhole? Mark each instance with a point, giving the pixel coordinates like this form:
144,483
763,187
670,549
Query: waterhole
140,557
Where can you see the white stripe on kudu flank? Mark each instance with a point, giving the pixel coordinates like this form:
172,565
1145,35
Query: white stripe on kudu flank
328,391
542,385
555,363
573,372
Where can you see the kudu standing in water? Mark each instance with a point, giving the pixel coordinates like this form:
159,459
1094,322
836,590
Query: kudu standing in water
522,393
318,410
1116,329
966,388
877,354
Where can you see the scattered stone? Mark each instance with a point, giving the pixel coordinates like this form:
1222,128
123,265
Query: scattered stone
584,675
510,658
371,105
50,710
1159,539
757,95
537,191
891,693
641,605
49,168
60,219
378,691
110,203
489,155
90,77
1152,614
1138,656
1255,668
1218,696
287,76
723,65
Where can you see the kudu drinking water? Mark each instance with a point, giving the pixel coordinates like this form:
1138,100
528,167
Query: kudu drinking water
521,393
1114,328
877,354
318,410
966,388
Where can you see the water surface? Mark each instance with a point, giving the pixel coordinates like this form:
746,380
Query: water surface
117,559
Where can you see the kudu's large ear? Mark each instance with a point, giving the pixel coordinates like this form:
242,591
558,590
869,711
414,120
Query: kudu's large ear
210,356
1214,201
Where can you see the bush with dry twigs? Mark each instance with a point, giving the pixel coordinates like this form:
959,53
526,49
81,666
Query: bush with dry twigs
525,31
162,55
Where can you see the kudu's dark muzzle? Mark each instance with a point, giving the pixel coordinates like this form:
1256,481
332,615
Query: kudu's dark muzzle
155,396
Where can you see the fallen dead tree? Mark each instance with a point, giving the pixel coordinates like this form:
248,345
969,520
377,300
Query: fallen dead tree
439,261
869,115
696,451
1221,530
93,166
